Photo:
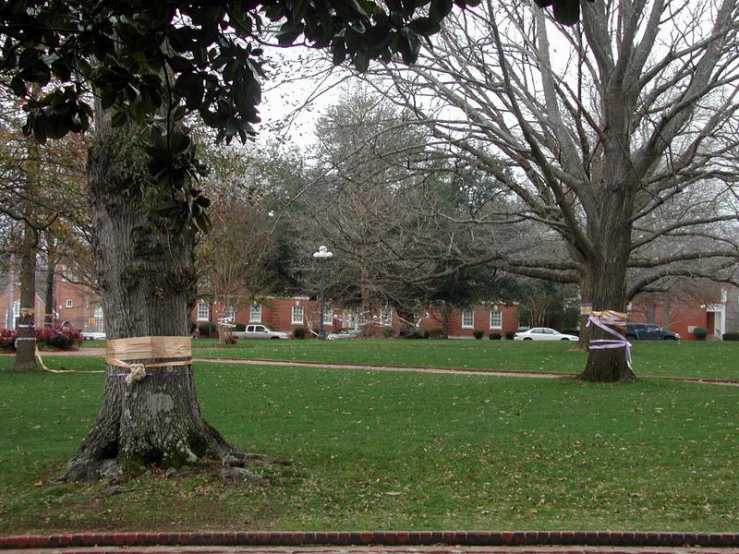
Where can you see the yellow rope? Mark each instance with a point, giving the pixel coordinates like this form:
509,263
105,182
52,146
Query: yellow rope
155,347
43,366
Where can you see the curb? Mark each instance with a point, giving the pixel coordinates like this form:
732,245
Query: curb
378,538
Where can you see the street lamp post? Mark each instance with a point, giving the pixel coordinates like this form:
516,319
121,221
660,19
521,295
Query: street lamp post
322,256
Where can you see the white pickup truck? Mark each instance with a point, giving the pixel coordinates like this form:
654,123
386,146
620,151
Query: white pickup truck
259,332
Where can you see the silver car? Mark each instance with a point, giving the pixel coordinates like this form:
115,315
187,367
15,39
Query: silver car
543,333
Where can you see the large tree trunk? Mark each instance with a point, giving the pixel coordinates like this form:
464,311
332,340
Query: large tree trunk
25,357
605,364
49,288
604,286
147,281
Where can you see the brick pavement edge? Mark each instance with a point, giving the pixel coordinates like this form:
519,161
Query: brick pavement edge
377,538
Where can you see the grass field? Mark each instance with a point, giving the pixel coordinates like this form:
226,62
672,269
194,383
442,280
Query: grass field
401,450
699,360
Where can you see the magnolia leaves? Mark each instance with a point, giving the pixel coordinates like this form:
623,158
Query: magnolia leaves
566,12
362,30
173,164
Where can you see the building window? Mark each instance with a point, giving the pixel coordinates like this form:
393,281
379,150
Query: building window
255,313
386,316
496,319
468,319
328,318
98,318
69,303
203,312
296,317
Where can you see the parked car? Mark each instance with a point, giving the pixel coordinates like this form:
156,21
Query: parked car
542,333
345,334
649,331
87,335
259,332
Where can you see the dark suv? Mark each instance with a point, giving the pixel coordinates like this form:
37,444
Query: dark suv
649,331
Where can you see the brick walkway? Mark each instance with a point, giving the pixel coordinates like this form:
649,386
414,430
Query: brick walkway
398,542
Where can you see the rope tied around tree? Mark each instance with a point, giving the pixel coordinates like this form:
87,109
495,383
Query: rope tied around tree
603,320
136,374
128,353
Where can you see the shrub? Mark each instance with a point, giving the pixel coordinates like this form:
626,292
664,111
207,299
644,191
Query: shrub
495,336
733,335
7,340
478,333
240,327
230,340
300,332
700,333
207,329
388,333
510,334
436,332
60,339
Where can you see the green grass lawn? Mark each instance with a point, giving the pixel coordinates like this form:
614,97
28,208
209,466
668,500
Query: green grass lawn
701,360
401,450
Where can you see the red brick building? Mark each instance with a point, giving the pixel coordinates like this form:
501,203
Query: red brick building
488,318
75,306
288,314
282,314
715,308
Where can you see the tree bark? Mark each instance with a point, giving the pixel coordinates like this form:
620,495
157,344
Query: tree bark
604,287
147,281
49,289
25,356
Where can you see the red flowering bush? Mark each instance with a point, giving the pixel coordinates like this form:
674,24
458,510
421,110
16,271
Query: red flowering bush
7,340
58,339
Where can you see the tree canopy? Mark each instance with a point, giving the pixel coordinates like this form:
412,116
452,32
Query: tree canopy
157,61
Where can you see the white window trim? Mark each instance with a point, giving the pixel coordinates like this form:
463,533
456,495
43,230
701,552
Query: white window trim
255,313
69,303
499,314
468,325
203,312
294,311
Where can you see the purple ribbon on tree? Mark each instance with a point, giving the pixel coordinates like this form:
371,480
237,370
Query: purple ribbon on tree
602,320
